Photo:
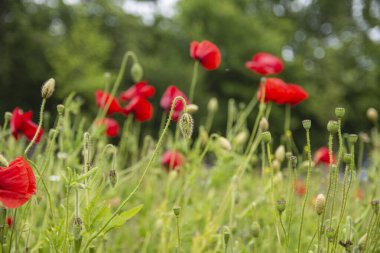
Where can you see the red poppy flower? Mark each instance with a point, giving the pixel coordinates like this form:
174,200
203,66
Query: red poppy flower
9,221
22,122
17,183
141,109
167,99
112,127
295,94
321,156
265,64
275,90
206,53
300,187
140,89
103,98
172,159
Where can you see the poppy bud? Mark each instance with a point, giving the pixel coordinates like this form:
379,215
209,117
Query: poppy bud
347,158
224,143
192,108
186,125
330,233
226,234
276,165
77,227
364,137
8,116
372,115
280,153
48,88
332,126
177,210
362,242
339,112
306,124
266,136
352,139
60,109
212,105
136,72
264,124
255,229
241,138
320,203
280,205
112,176
375,206
293,160
3,161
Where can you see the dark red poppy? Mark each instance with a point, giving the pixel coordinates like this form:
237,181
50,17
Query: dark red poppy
22,123
140,89
295,94
172,159
141,109
17,183
9,221
207,53
265,64
275,90
103,98
167,99
111,125
321,156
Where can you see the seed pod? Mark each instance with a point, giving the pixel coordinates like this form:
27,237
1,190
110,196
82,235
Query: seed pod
372,115
339,112
352,138
60,109
332,126
320,203
186,125
47,89
347,158
280,205
137,72
264,124
306,124
177,210
266,136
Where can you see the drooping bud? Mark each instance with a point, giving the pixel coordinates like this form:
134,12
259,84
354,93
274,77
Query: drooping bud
137,72
77,227
264,124
255,229
112,177
330,234
8,116
332,126
280,205
320,203
47,89
186,125
60,109
375,206
3,161
372,115
352,139
339,112
306,124
347,158
177,211
212,105
280,153
266,136
226,234
224,143
192,108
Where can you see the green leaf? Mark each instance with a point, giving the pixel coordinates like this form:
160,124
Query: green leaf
123,217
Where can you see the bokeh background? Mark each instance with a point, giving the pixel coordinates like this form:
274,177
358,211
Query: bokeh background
331,48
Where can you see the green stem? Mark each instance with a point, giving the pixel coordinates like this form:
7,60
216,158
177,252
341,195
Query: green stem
193,81
178,234
38,129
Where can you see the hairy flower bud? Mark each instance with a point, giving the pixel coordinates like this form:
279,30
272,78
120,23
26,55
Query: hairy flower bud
212,105
112,177
280,205
306,124
264,124
137,72
177,210
241,138
186,125
372,115
48,88
266,136
192,108
332,126
224,143
60,109
320,203
339,112
280,153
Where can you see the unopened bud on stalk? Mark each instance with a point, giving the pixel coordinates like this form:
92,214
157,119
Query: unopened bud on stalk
212,105
255,229
4,162
224,143
8,116
330,233
347,158
226,234
372,115
264,124
339,112
352,138
293,160
186,125
192,108
112,176
77,227
48,88
280,153
364,137
266,136
306,124
177,211
375,206
280,205
137,72
332,126
60,109
241,138
320,203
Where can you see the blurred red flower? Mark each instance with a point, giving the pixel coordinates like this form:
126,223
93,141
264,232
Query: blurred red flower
167,99
321,156
9,221
22,122
265,64
295,94
275,90
111,125
172,159
300,187
141,109
140,89
17,183
103,98
207,53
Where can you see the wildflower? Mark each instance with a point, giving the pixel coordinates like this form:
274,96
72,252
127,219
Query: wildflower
300,187
111,125
265,64
274,90
17,183
140,89
167,99
321,156
141,108
102,100
294,94
22,122
207,53
172,159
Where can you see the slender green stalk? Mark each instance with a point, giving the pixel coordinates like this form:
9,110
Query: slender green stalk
360,156
291,204
3,215
287,132
369,229
193,81
38,129
177,218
